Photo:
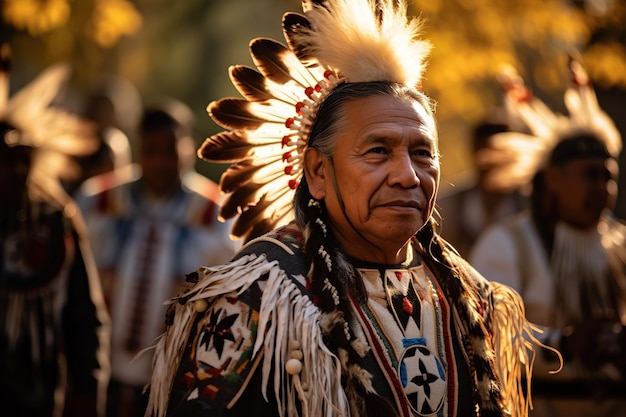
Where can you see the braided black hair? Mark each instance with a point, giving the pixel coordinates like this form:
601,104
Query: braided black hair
454,277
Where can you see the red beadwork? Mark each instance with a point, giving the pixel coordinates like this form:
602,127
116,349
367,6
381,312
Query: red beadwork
407,306
524,94
286,140
309,92
318,88
299,106
209,391
293,184
579,80
289,122
288,169
328,73
286,156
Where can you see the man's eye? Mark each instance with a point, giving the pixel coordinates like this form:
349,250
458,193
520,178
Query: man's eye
423,153
378,149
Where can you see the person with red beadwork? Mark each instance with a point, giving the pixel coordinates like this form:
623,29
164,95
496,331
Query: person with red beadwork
345,301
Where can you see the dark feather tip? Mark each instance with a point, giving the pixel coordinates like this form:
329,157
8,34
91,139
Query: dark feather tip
250,83
294,23
235,114
226,147
269,57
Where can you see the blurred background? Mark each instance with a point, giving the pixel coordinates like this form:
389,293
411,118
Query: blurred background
137,51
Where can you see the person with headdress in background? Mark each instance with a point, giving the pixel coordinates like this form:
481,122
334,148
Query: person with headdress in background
148,230
472,206
54,326
566,255
344,301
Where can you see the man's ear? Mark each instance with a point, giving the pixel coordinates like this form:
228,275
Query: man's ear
314,170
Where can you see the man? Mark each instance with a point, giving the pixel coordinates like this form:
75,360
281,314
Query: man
356,308
147,233
566,257
54,326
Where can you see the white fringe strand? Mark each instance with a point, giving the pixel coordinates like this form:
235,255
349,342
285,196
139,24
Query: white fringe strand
514,339
285,315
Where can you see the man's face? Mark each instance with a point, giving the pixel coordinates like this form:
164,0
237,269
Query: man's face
387,173
159,160
582,189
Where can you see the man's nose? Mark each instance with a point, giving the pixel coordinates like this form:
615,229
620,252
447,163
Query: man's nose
402,172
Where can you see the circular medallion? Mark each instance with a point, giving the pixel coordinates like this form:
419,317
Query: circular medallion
423,379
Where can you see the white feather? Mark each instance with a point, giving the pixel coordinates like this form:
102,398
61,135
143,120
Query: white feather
350,37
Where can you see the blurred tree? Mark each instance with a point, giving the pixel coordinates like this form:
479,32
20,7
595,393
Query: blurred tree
46,31
473,38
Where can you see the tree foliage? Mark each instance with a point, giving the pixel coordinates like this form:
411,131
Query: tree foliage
183,48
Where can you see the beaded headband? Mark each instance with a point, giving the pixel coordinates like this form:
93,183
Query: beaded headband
333,42
516,157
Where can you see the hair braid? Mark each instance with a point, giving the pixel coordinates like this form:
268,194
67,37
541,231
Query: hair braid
329,277
454,278
332,280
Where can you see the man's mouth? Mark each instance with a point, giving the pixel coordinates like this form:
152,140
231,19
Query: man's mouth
408,204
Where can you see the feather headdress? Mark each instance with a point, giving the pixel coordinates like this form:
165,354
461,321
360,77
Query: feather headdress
516,157
333,42
53,133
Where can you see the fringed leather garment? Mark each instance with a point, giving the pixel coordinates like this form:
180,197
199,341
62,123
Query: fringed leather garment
232,339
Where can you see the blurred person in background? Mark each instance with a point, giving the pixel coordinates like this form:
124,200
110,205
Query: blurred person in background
147,233
566,255
111,163
54,326
468,211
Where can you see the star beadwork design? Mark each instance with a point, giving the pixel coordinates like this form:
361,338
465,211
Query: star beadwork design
218,330
425,379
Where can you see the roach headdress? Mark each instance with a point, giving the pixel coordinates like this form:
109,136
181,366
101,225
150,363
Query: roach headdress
55,135
517,157
333,42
